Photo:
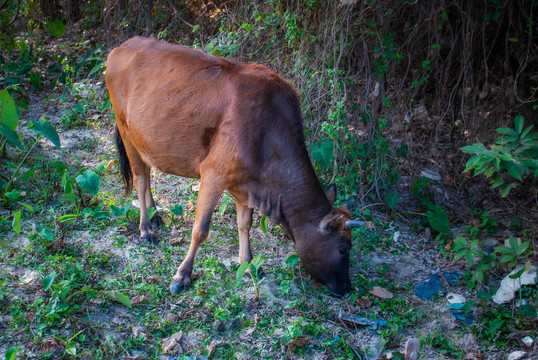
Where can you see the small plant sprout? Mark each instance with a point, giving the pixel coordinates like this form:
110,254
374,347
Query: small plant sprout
253,268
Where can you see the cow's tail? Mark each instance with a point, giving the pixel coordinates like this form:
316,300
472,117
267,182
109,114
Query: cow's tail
125,166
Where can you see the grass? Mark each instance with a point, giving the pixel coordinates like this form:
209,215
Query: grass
86,287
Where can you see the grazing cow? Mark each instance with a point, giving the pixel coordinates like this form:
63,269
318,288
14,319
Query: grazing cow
235,126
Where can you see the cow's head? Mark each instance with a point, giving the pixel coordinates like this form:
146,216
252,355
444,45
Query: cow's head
324,248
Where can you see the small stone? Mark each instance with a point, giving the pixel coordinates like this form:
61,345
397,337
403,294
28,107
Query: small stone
516,355
412,349
381,292
430,174
528,341
454,298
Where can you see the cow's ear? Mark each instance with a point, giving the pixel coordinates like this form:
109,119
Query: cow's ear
331,193
331,222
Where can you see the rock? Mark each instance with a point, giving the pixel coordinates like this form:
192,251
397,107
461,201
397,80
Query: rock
516,355
509,286
460,317
454,298
412,349
528,341
430,174
429,288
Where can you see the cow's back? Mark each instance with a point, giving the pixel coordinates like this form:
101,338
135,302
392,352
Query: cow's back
183,108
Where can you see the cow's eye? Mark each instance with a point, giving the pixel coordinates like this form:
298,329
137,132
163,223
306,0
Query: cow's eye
343,250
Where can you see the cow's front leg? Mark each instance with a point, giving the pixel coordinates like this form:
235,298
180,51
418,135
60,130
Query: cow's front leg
244,223
208,196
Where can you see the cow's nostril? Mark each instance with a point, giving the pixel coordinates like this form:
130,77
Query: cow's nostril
343,250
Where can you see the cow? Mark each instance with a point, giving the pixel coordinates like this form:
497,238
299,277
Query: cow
235,126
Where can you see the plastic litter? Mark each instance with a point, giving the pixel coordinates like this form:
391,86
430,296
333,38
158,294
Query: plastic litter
461,317
528,341
429,288
509,286
373,324
454,298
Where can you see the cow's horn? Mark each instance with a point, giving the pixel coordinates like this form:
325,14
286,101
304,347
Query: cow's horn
351,224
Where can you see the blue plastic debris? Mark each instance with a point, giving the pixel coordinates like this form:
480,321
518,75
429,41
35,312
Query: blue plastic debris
461,317
429,288
452,278
373,324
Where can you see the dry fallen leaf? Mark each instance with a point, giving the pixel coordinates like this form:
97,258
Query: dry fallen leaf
138,332
299,342
153,279
381,292
138,299
171,344
177,240
364,301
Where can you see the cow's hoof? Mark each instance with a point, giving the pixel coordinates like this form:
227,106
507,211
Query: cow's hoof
177,287
149,239
157,221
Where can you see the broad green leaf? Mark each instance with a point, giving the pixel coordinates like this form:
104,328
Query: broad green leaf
71,349
507,131
67,217
46,234
526,131
176,209
514,169
392,199
505,189
438,219
240,272
13,195
323,153
121,298
292,260
460,253
224,204
504,250
86,212
28,174
469,257
11,136
522,247
56,28
517,274
263,224
119,211
89,181
518,123
151,212
16,224
12,352
49,280
528,311
477,148
28,207
8,110
47,130
469,304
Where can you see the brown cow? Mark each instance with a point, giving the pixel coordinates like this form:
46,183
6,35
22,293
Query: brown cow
235,126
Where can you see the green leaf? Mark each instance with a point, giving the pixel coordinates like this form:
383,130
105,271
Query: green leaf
47,130
504,250
469,257
28,207
438,219
240,272
64,218
392,199
263,224
468,305
71,349
522,247
514,169
224,204
119,211
528,311
46,234
16,224
151,212
526,131
292,260
8,110
514,243
49,280
505,189
56,28
121,298
177,209
12,352
323,153
89,181
477,148
11,136
507,131
517,274
518,123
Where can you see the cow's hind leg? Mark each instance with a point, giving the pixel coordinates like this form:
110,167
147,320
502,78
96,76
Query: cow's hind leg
210,190
156,220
